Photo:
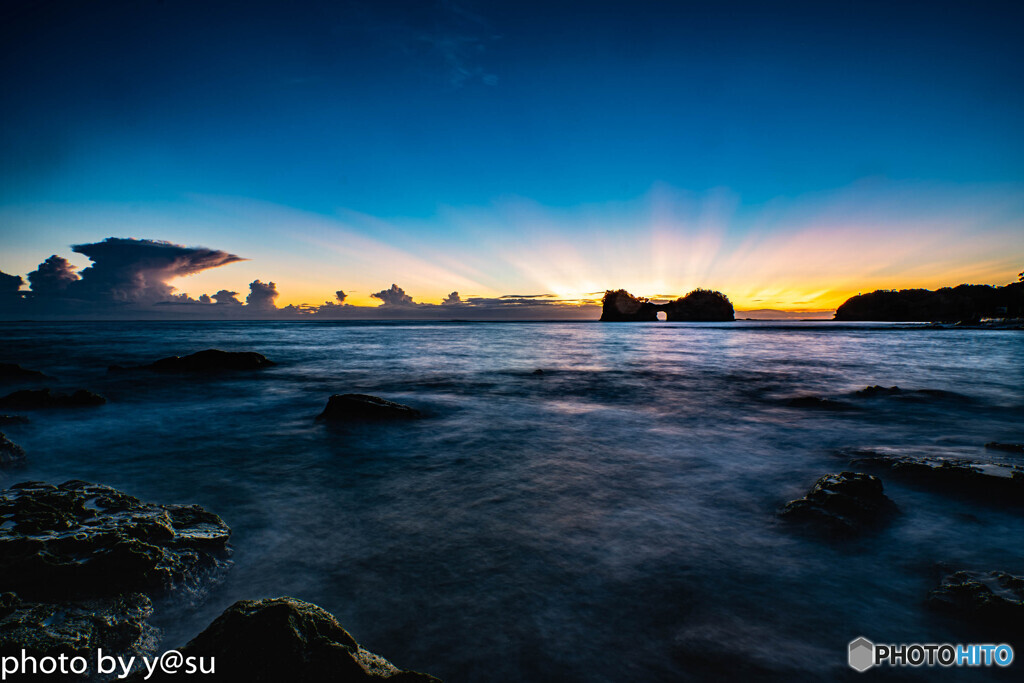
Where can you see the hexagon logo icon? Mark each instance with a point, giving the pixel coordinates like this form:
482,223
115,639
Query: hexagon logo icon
862,654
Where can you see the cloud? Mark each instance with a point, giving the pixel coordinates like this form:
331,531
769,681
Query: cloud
127,270
261,295
225,297
452,299
10,284
340,296
52,277
395,296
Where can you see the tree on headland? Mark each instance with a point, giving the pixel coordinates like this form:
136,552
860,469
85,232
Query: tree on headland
949,304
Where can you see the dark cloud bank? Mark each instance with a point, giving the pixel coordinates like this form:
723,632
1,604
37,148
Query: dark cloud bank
128,279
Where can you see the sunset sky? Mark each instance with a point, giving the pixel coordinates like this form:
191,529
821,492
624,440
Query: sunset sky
787,154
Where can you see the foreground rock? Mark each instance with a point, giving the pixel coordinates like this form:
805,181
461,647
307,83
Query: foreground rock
117,624
991,599
211,360
994,482
41,399
12,372
284,639
81,540
10,453
842,504
363,407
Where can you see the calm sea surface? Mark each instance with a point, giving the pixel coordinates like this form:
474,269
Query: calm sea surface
609,520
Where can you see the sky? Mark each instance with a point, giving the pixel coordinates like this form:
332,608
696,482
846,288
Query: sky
524,155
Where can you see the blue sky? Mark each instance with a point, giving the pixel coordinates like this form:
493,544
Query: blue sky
397,122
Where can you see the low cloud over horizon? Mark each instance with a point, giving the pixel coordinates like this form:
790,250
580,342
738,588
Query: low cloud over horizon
129,279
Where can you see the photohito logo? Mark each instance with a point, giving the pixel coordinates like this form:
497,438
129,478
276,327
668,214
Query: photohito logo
863,654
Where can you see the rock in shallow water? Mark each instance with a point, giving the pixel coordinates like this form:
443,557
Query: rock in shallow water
10,453
843,504
34,399
79,540
994,482
12,372
991,599
211,360
284,639
76,628
363,407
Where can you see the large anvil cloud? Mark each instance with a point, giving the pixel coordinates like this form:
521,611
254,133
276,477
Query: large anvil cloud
137,270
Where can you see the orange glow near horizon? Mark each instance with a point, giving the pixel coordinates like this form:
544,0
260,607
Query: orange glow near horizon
803,254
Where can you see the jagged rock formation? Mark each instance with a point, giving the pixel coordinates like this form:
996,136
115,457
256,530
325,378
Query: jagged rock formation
10,452
363,407
38,399
842,504
78,562
967,303
284,639
700,305
992,599
211,360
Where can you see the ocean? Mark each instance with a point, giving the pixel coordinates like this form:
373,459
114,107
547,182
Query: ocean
612,519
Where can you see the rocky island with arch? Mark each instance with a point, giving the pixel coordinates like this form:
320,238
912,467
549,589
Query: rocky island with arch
700,305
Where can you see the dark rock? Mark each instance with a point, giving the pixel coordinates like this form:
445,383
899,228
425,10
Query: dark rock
80,628
12,372
991,599
34,399
878,390
10,452
842,504
993,482
818,403
538,371
284,639
211,360
363,407
13,420
700,305
80,540
1008,447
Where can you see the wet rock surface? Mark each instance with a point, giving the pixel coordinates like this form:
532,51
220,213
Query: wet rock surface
847,503
208,361
11,454
41,399
12,372
79,628
992,599
284,639
990,481
364,407
80,540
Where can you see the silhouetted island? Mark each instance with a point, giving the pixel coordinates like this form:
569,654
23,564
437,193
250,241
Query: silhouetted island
700,305
964,303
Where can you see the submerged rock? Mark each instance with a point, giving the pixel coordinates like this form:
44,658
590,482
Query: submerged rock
35,399
818,403
284,639
10,452
1008,447
12,372
78,628
844,504
364,407
994,599
994,482
13,420
79,540
914,395
878,390
211,360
